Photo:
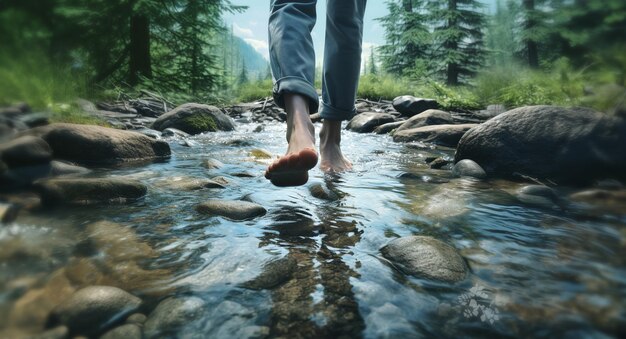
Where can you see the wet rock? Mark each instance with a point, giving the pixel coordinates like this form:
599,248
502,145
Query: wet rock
171,314
105,145
243,174
88,190
444,135
538,195
388,127
409,105
156,135
366,122
427,118
232,209
322,192
258,129
136,318
127,331
187,183
35,119
573,145
274,273
24,176
468,168
93,309
173,132
438,163
610,201
194,119
25,150
212,164
8,212
261,153
59,332
117,243
428,257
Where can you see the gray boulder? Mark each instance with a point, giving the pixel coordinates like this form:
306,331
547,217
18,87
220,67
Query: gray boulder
232,209
25,150
427,118
444,135
85,191
468,168
426,257
366,122
194,119
89,144
91,310
575,145
409,105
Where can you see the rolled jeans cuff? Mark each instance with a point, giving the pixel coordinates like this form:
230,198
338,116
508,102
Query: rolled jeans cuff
296,85
331,113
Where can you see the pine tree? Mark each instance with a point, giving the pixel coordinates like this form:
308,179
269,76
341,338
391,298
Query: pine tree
458,37
503,35
373,69
243,75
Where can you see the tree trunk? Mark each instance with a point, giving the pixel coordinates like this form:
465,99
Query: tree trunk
531,44
140,64
452,77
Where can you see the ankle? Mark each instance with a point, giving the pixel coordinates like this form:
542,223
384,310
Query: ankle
330,133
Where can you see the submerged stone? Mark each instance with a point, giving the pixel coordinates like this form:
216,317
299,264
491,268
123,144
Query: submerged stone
127,331
87,191
468,168
171,314
232,209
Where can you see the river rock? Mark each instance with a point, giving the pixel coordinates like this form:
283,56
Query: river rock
99,145
232,209
126,331
187,183
611,201
427,118
137,318
444,135
8,212
366,122
322,192
88,190
194,119
25,150
150,133
92,309
574,145
274,273
438,163
538,195
428,257
173,132
388,127
24,176
171,314
409,105
468,168
212,164
59,332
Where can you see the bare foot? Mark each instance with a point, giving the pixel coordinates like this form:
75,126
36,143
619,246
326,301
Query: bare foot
330,149
292,169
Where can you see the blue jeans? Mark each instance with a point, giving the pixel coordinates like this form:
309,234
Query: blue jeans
292,57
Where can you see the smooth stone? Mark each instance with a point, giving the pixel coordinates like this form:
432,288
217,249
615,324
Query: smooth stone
428,257
468,168
388,127
258,129
438,163
171,314
25,150
88,190
274,273
105,145
59,332
173,132
409,105
260,153
93,309
538,195
427,118
187,183
150,133
8,212
137,318
444,135
126,331
232,209
25,175
222,180
243,175
366,122
194,118
212,164
322,192
565,145
35,119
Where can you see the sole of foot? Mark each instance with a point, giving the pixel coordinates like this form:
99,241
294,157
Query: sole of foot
292,169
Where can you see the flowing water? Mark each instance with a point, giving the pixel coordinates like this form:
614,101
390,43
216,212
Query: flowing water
533,271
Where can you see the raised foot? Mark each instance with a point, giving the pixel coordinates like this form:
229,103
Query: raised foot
292,169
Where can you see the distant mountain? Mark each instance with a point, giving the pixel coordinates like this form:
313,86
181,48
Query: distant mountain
255,62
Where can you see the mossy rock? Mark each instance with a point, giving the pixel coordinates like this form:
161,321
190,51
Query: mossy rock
194,119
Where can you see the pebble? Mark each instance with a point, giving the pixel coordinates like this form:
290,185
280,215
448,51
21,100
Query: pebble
232,209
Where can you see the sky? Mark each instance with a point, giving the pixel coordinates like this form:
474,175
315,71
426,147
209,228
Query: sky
251,25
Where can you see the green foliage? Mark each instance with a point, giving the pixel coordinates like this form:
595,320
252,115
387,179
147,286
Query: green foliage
201,122
252,91
73,114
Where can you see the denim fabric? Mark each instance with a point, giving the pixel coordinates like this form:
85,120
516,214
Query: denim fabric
292,57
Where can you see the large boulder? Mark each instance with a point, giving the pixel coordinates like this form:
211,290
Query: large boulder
444,135
575,145
368,121
87,191
93,309
426,118
89,144
25,150
409,105
428,257
194,119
